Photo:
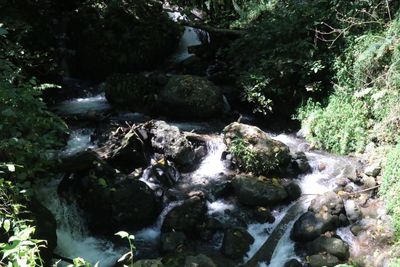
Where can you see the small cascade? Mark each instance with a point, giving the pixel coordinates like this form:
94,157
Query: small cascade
73,237
97,103
212,166
190,37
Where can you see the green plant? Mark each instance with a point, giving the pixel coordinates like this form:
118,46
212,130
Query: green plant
391,186
130,254
248,159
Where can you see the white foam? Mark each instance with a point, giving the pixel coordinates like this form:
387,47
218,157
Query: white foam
83,105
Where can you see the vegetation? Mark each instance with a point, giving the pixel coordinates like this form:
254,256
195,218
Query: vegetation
334,65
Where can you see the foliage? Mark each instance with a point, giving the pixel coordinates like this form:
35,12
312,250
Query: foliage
17,245
364,107
390,187
129,255
288,51
248,159
340,127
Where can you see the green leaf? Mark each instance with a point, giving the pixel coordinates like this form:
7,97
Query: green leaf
7,225
122,234
102,182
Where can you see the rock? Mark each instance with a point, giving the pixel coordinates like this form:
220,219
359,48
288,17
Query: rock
236,243
254,191
111,203
300,163
368,181
356,229
329,202
190,97
171,242
293,190
165,173
263,215
352,210
187,217
310,226
137,92
222,189
148,263
293,263
254,151
199,260
373,170
169,141
78,162
322,260
130,154
331,245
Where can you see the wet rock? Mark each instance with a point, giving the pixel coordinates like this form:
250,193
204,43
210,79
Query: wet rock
254,191
171,242
112,202
331,245
368,181
148,263
78,162
222,189
293,190
130,154
267,155
329,202
293,263
199,260
342,182
165,173
356,229
373,170
190,97
137,92
263,215
236,243
299,164
322,260
310,226
170,142
186,218
352,210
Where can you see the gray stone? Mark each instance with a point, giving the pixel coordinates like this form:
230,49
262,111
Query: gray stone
236,243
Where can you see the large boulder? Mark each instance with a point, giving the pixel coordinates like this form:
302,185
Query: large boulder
331,245
310,226
112,202
254,151
136,92
172,144
328,202
253,191
130,153
236,243
172,241
190,97
186,218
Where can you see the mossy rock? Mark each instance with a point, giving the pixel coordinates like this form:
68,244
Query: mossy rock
190,97
254,151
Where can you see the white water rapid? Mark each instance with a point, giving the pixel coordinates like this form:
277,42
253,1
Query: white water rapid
73,237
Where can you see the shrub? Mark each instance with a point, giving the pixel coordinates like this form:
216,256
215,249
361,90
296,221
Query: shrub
390,187
342,126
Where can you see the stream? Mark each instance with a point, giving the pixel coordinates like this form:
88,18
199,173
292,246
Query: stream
74,239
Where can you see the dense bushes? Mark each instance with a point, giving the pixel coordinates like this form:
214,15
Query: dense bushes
364,107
